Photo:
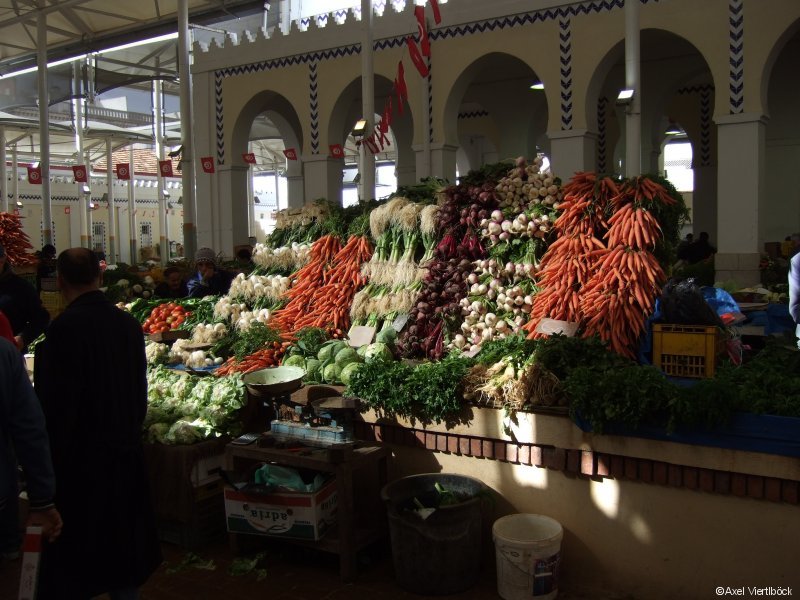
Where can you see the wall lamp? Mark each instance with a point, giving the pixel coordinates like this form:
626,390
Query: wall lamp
674,129
19,204
86,189
165,193
625,96
360,128
539,85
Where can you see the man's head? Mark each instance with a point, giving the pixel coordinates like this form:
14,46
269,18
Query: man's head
689,237
78,270
703,236
206,261
172,275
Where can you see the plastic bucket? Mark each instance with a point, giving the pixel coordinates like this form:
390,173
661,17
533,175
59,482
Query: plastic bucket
528,550
440,554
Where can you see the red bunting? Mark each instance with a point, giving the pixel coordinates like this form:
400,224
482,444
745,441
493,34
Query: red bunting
35,175
165,167
425,43
123,171
208,164
290,153
416,57
437,15
79,173
249,158
400,87
336,150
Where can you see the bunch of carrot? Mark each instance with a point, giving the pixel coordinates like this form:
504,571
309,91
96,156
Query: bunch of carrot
15,240
327,302
569,262
260,359
609,288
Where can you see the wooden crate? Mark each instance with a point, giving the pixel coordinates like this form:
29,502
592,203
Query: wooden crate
203,525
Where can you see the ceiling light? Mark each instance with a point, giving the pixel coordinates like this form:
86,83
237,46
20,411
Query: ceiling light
625,96
537,86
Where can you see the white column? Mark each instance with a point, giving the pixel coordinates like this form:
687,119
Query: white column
113,258
704,201
441,159
187,158
132,237
633,120
158,138
323,177
367,159
572,151
3,170
44,125
78,107
741,190
15,174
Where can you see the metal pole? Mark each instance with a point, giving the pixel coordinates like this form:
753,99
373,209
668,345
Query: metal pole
3,170
112,211
368,101
44,124
633,120
163,224
187,157
132,210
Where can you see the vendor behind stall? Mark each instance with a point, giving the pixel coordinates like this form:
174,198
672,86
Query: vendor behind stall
209,279
21,304
173,285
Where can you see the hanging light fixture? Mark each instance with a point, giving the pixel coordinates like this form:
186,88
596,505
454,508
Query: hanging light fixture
674,129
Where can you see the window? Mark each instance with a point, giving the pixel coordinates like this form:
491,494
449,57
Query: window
145,234
99,237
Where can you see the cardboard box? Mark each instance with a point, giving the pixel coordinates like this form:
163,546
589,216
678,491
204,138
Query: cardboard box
295,515
206,470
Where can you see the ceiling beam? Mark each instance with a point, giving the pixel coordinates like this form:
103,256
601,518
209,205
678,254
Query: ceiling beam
21,18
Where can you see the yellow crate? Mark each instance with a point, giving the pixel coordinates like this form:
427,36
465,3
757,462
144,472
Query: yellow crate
687,350
53,302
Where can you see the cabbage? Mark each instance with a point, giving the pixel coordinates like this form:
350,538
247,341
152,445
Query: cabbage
378,351
387,336
345,356
329,349
186,432
331,373
362,350
157,433
348,371
295,361
312,368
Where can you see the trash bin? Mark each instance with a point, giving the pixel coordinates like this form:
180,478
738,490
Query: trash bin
528,549
435,551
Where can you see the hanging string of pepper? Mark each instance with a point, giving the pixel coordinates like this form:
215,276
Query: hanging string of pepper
15,241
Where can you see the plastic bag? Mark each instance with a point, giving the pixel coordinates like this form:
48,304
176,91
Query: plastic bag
683,303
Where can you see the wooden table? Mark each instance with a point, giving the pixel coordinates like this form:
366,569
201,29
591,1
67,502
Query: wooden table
347,537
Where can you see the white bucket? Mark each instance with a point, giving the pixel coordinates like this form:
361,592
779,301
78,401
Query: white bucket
528,549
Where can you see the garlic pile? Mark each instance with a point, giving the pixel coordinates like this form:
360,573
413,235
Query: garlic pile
526,185
258,286
227,310
247,318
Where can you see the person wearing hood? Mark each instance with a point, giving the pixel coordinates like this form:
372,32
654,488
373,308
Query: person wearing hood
209,280
21,304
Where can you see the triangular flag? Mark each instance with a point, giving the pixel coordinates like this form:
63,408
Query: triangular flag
79,172
208,164
290,153
34,175
249,158
337,151
165,167
123,171
425,43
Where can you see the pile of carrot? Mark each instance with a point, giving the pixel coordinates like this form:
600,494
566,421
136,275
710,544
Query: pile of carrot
15,240
260,359
326,295
609,288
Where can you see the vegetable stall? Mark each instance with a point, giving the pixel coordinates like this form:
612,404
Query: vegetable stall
460,284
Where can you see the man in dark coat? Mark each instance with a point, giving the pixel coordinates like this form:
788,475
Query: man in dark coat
90,374
21,304
209,280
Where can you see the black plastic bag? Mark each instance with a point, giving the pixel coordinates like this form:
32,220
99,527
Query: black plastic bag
682,303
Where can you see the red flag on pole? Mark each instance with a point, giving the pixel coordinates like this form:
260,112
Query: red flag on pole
290,153
249,158
34,175
437,15
416,57
337,151
79,172
400,87
165,167
424,41
208,164
123,171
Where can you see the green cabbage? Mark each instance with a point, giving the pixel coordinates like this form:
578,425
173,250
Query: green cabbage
348,371
362,350
294,361
387,336
312,368
345,356
378,351
331,373
330,349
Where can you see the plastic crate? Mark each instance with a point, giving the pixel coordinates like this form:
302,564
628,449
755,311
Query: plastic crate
53,302
204,524
687,350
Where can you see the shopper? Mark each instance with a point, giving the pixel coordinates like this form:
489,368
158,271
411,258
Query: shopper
47,267
23,438
21,304
794,293
209,279
90,375
700,249
173,285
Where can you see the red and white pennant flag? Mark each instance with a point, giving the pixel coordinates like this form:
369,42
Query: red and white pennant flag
165,167
79,173
208,164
